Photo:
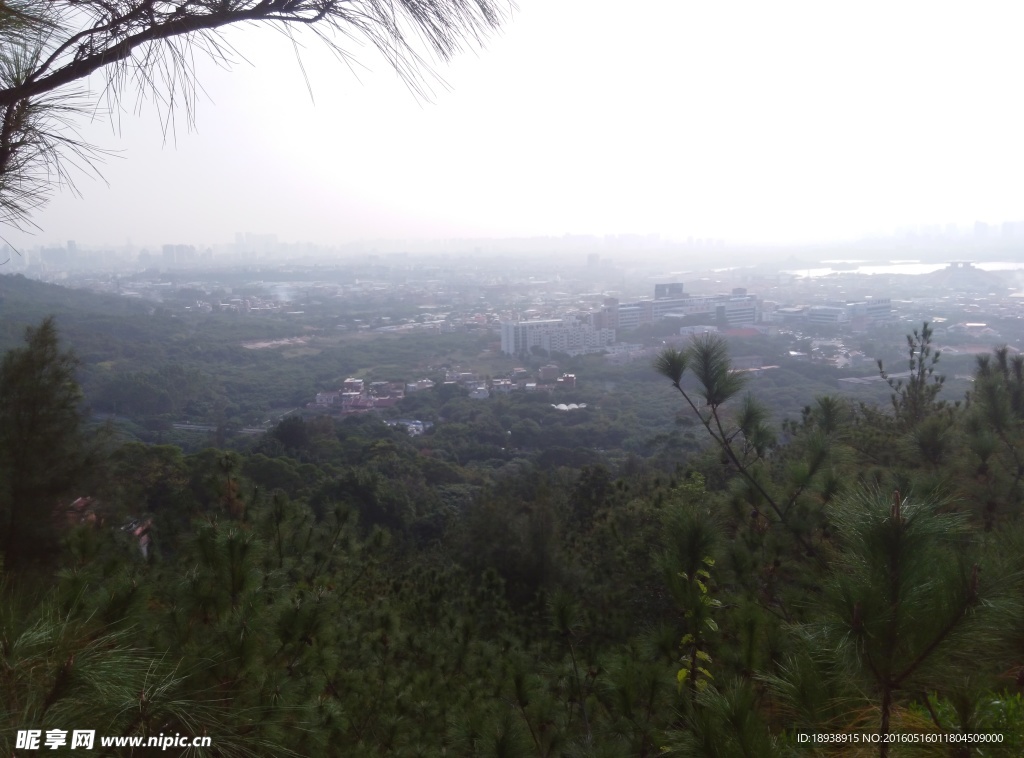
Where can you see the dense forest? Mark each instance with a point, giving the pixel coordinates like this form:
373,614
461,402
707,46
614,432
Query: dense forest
337,587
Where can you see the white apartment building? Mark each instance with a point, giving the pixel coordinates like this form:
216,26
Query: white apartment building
563,336
736,309
519,336
576,340
860,314
878,310
826,314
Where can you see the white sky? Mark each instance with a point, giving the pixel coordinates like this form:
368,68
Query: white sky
749,120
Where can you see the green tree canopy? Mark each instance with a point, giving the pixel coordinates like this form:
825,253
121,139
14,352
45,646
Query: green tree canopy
42,452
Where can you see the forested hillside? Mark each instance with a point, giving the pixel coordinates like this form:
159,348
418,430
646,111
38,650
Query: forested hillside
726,587
150,367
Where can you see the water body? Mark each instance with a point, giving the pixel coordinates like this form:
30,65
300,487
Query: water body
909,268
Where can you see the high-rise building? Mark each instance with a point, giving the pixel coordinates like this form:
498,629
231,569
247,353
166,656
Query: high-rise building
608,316
737,311
559,335
519,336
672,289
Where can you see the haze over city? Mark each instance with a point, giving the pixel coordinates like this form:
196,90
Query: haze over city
647,379
780,124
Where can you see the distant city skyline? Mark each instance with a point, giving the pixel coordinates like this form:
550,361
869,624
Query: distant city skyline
978,232
793,123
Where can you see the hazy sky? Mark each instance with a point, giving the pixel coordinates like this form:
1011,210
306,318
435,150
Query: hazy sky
778,121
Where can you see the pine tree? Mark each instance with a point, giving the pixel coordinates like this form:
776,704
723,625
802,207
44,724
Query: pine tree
916,603
914,398
42,449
